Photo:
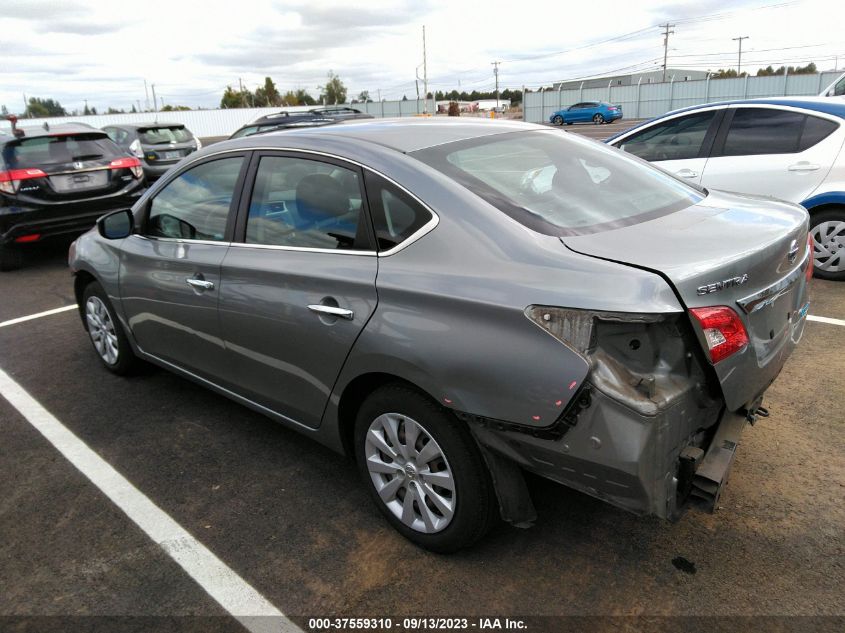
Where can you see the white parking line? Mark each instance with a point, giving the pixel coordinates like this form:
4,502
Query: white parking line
38,315
827,320
231,591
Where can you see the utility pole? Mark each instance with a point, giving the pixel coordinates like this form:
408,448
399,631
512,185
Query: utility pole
86,110
425,76
146,97
739,61
26,107
496,74
666,34
155,103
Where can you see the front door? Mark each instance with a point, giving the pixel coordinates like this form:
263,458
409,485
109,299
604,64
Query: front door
299,283
170,271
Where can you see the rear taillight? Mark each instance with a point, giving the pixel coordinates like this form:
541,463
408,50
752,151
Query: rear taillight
129,162
26,239
811,257
723,330
10,181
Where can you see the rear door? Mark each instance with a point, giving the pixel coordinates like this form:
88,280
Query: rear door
773,151
679,144
170,270
299,284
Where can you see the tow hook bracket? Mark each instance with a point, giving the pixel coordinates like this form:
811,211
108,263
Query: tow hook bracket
712,474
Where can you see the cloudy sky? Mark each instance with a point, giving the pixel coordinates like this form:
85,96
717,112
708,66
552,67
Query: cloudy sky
73,50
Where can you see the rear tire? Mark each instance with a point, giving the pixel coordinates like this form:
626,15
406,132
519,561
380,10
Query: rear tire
11,258
406,444
105,331
827,229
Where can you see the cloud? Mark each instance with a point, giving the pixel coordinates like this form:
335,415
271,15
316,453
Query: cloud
79,27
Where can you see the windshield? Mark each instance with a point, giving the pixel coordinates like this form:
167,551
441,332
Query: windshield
164,135
55,150
558,184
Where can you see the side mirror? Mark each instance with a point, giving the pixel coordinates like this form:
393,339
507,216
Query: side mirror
116,225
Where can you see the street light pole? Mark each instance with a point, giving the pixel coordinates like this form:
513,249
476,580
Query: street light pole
425,76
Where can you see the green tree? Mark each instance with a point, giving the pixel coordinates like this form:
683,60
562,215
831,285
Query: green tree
236,98
267,95
115,111
4,111
44,107
174,108
730,73
334,91
364,97
133,108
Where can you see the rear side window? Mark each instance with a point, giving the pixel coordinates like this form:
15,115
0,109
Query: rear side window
56,150
559,184
195,206
676,139
396,215
815,131
763,131
164,135
306,203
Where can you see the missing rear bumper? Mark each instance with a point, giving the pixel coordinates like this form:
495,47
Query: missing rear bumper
711,475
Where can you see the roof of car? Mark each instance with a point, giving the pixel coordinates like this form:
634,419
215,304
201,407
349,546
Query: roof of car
150,124
819,104
412,133
55,130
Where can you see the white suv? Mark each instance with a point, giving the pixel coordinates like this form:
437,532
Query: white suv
788,148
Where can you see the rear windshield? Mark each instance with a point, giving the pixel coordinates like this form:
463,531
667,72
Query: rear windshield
54,150
559,184
164,135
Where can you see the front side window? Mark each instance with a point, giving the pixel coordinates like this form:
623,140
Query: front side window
195,206
306,203
763,131
396,215
676,139
558,184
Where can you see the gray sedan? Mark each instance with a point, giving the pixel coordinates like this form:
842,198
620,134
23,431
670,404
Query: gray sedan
453,303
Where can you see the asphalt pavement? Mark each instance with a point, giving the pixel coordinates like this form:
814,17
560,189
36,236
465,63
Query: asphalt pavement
291,519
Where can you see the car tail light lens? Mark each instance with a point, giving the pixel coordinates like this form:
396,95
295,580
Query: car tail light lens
136,149
10,181
25,239
131,163
723,330
810,264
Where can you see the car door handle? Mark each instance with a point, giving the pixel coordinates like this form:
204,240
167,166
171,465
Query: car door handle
201,284
687,173
803,166
334,311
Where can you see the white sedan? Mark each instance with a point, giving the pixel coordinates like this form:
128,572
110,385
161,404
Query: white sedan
787,148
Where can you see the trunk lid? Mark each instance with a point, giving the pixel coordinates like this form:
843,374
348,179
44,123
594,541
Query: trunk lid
745,252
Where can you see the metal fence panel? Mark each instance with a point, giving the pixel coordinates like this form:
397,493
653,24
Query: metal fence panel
651,100
221,122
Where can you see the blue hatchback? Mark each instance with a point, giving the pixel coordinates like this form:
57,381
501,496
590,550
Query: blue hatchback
596,112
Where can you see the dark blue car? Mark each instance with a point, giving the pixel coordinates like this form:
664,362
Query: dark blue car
597,112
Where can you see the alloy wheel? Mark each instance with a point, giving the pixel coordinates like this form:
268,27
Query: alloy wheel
410,473
829,246
101,329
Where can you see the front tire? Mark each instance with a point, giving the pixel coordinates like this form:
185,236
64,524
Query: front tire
598,119
827,229
106,333
423,470
557,120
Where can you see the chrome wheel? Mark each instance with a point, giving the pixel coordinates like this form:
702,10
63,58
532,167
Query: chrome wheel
410,473
101,329
829,246
598,119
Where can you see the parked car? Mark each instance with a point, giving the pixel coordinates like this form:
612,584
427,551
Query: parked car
389,290
597,112
282,121
343,113
835,89
57,180
158,146
789,148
